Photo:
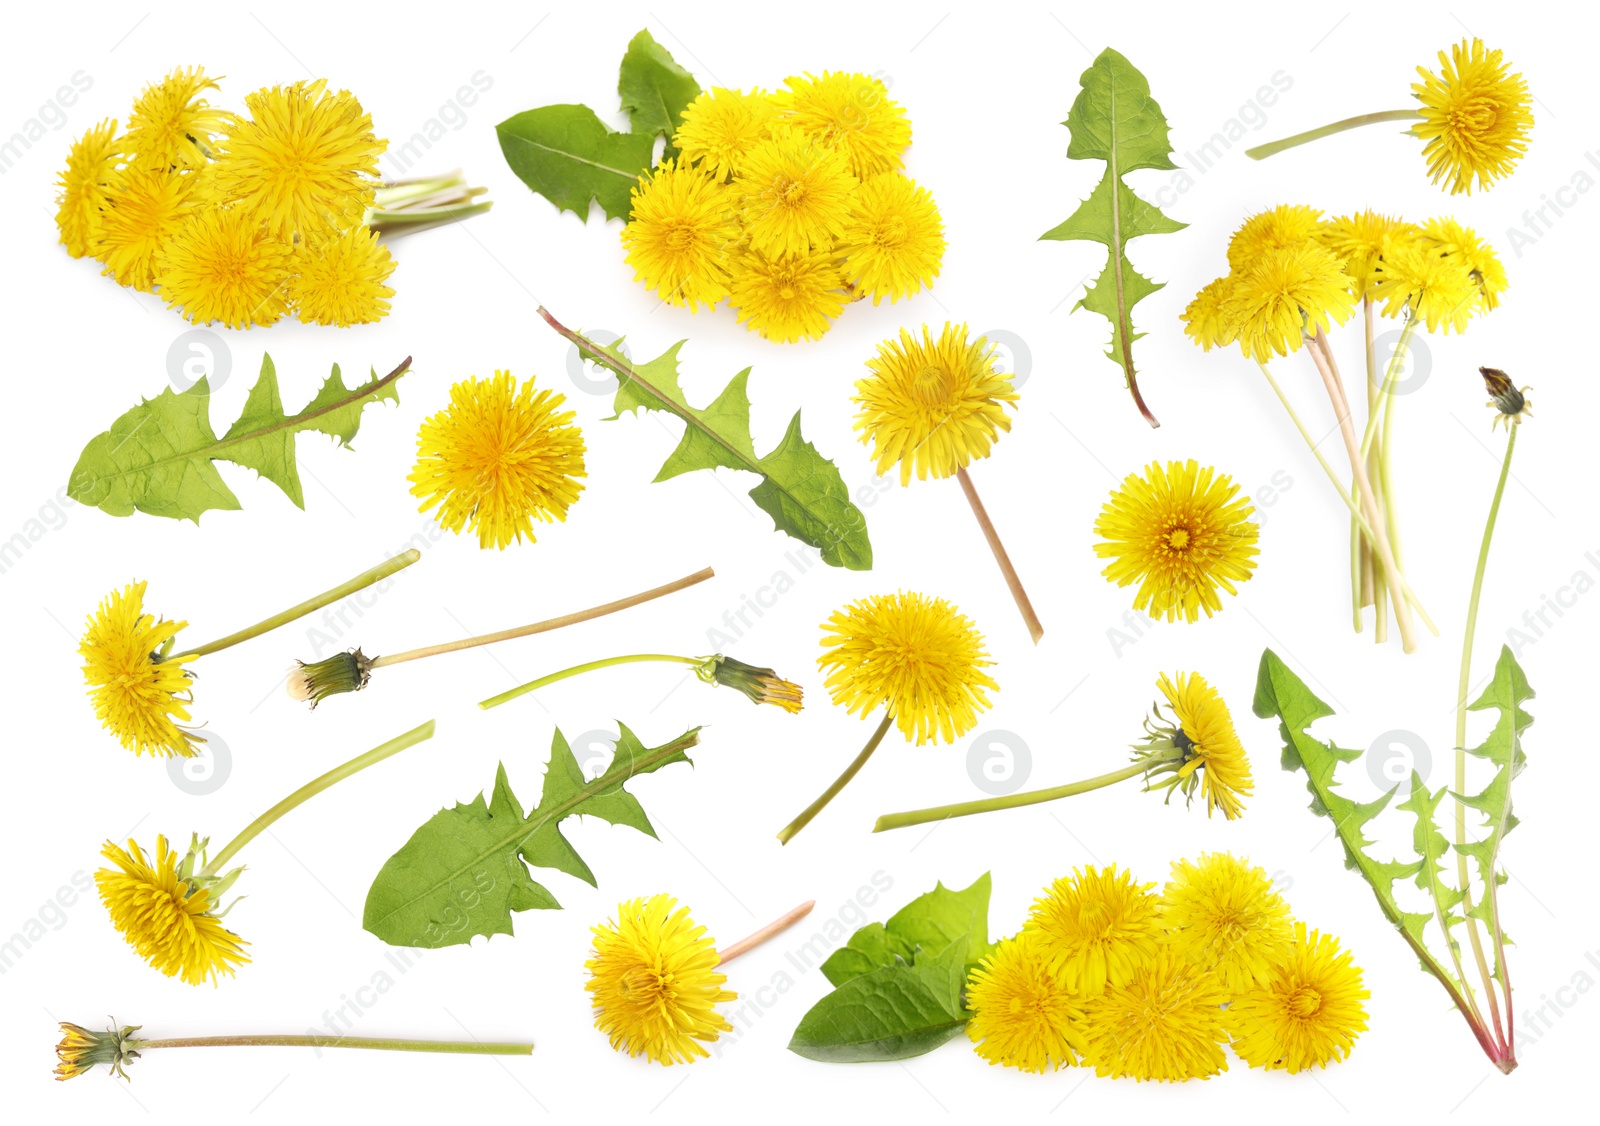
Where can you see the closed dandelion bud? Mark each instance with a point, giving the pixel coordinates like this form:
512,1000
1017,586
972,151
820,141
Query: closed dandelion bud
1509,401
763,686
342,672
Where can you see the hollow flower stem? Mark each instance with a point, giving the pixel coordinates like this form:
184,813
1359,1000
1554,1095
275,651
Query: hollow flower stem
311,605
578,670
1272,148
383,1044
771,930
1026,797
788,831
1013,583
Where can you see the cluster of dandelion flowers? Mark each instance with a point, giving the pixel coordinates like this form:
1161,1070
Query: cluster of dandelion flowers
1181,532
787,205
168,913
1307,1014
498,457
1165,1024
1223,915
1022,1016
1095,928
1201,748
140,693
654,983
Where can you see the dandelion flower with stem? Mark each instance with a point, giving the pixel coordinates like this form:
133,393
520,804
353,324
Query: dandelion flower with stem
1022,1015
1307,1013
169,909
172,125
1475,117
796,195
1222,914
1164,1025
1198,751
1284,295
80,1049
681,234
851,114
919,658
721,126
144,208
137,674
342,279
223,265
81,187
497,458
759,685
894,242
654,983
1095,928
790,297
933,407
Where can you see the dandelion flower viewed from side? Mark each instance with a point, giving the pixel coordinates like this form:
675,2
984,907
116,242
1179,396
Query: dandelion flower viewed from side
1223,915
720,126
170,917
79,1050
1476,117
342,279
1095,928
1210,757
1416,279
1203,319
81,187
894,239
144,207
1182,533
680,235
1308,1014
796,195
1285,295
1022,1017
498,457
788,298
1164,1025
222,265
172,125
139,694
654,983
1462,244
850,113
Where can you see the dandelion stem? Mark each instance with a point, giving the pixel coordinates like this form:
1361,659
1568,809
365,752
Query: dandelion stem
548,624
1018,594
462,1047
1272,148
1026,797
578,670
839,783
313,788
310,605
771,930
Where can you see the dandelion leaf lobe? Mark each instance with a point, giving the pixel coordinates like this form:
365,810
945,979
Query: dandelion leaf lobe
932,921
654,88
1506,692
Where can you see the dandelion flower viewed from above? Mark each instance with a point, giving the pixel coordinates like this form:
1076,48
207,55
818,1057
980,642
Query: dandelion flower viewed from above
932,405
919,656
1203,321
221,265
796,195
498,457
720,126
1181,532
788,298
1360,241
1284,295
1286,226
1210,756
895,238
1462,244
851,113
654,983
1164,1025
1021,1015
1476,117
1095,928
168,914
139,695
681,235
1307,1015
1224,917
80,197
143,208
1417,279
341,279
172,125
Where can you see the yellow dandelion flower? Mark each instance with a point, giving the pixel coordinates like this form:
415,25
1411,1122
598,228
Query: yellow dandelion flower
1476,117
1213,760
796,195
851,113
720,126
680,235
654,983
1022,1016
1284,296
894,241
1095,928
1287,225
1203,321
920,656
1180,532
790,297
1417,279
1308,1014
172,125
223,265
340,280
144,207
139,695
168,914
82,185
304,161
1360,240
79,1050
932,405
1453,240
1223,916
498,457
1164,1025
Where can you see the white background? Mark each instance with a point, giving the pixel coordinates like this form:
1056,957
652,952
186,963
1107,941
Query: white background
986,86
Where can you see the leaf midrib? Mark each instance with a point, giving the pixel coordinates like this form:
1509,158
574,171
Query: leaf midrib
629,176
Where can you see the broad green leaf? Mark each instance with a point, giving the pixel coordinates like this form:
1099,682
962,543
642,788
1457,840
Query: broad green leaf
654,89
1115,119
891,1013
569,156
466,869
930,922
157,458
